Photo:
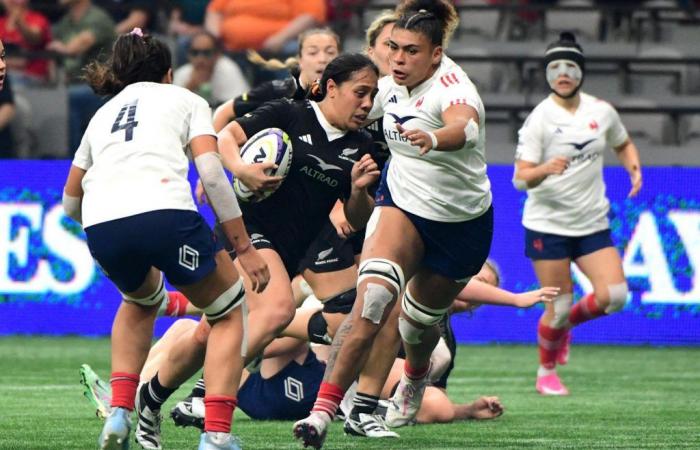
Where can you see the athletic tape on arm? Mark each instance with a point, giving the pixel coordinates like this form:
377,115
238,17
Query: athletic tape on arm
217,186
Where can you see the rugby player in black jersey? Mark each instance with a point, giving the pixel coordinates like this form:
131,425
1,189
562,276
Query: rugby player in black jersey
331,161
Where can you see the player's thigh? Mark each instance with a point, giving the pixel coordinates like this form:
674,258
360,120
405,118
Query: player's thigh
602,267
278,293
433,289
203,292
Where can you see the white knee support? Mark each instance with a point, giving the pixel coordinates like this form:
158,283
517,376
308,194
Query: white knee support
562,307
410,333
420,313
375,300
618,297
383,269
154,299
226,302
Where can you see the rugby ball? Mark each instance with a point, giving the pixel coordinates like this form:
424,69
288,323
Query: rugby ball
268,145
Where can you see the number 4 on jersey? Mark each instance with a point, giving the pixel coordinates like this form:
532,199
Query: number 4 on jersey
130,110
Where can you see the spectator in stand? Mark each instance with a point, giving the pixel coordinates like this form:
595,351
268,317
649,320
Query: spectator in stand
268,26
25,30
80,35
211,75
129,14
186,20
7,109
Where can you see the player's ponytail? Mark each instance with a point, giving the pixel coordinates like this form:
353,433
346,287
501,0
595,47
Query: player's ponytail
135,57
339,70
437,19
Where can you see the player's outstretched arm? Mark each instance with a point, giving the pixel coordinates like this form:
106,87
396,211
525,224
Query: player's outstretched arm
483,293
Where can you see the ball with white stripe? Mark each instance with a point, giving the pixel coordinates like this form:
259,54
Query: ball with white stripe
268,145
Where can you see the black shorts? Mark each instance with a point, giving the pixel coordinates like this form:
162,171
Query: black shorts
177,242
553,246
328,252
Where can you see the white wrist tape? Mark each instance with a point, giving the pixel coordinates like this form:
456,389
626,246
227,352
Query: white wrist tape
434,140
519,184
217,186
471,133
73,206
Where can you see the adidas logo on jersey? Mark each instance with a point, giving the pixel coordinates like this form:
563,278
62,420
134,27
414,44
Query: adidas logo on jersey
393,99
374,126
306,138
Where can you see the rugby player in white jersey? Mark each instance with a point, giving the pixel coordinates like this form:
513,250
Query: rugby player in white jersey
433,223
559,162
128,187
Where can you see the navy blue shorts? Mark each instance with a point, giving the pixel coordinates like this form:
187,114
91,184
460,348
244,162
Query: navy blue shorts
288,395
455,250
328,253
553,246
177,242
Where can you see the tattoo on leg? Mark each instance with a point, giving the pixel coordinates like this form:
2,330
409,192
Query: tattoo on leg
343,330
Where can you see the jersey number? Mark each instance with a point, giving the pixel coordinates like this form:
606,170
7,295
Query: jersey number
130,110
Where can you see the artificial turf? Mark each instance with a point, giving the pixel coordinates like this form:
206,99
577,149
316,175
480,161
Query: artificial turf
621,397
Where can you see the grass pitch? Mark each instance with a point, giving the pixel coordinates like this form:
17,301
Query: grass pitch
621,397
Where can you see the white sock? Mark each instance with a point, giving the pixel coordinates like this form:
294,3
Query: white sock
543,371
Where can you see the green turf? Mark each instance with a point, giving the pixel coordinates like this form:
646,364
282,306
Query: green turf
622,397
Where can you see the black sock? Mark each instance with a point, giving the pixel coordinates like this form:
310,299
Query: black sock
198,389
155,394
363,403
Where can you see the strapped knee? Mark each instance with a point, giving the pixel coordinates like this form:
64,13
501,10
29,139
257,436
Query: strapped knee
154,299
318,329
418,313
376,296
226,302
618,297
440,360
562,307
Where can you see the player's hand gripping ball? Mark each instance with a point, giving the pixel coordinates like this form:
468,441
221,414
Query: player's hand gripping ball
272,148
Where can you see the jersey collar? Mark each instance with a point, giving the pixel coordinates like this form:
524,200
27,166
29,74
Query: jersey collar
332,132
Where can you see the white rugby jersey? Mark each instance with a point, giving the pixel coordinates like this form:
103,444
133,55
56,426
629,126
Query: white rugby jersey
573,203
134,152
445,186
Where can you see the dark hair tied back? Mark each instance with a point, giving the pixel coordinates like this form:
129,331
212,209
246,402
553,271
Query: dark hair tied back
135,58
436,19
340,70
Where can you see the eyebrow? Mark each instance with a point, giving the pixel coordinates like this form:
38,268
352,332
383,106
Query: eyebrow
405,47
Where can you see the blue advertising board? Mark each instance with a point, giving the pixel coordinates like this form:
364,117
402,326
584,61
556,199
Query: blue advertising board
49,283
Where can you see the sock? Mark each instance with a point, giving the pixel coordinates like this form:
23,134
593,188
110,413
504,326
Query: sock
549,340
176,305
155,394
218,413
543,371
198,389
413,373
363,404
585,310
328,398
123,389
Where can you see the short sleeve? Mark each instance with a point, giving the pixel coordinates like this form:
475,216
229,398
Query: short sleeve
616,134
530,140
457,90
83,157
273,114
200,119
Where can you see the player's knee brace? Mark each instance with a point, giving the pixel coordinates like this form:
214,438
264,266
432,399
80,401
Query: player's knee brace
376,296
318,329
618,297
562,307
226,302
160,295
419,313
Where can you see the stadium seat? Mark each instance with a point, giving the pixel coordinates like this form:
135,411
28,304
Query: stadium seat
650,128
585,24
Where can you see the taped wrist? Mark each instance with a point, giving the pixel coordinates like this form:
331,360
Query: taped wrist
73,207
217,186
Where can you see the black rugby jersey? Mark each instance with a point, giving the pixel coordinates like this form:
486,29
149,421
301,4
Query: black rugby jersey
380,151
320,174
269,90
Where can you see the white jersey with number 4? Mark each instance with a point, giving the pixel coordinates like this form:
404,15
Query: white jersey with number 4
445,186
134,152
573,203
